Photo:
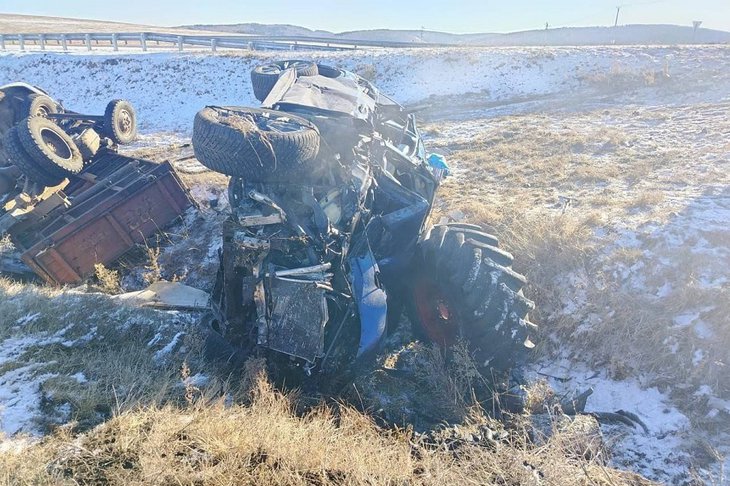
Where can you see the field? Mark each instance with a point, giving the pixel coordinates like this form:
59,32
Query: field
24,24
603,170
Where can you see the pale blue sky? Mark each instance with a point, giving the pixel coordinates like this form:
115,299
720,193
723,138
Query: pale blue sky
338,15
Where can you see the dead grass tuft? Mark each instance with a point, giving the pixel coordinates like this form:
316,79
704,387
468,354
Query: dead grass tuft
93,357
265,442
109,280
584,202
153,270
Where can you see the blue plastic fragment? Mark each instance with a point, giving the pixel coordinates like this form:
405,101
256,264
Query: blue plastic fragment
438,162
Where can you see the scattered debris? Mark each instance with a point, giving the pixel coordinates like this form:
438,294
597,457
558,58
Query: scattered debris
167,295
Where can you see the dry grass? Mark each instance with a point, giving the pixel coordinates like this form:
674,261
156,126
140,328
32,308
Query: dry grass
117,349
367,71
620,78
153,270
14,24
559,191
109,280
421,386
155,426
266,442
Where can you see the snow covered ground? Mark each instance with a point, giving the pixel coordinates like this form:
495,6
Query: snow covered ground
645,134
168,89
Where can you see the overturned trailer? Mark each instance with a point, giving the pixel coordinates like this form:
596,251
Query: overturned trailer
109,209
329,239
68,199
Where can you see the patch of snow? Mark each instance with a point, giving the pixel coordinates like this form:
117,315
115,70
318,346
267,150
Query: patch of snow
15,445
156,339
197,380
664,290
169,347
20,399
684,320
703,331
85,339
27,319
80,377
658,454
189,81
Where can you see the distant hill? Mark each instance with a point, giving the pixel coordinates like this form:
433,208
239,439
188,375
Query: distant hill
622,35
37,24
263,29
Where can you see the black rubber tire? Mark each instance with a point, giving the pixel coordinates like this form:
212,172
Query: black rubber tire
120,122
265,76
480,286
52,150
39,105
329,71
248,142
19,157
88,143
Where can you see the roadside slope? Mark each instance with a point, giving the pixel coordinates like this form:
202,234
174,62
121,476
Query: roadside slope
168,89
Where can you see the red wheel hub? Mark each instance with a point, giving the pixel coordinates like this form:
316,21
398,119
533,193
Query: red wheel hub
435,313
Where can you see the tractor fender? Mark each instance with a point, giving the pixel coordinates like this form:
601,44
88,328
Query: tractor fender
371,302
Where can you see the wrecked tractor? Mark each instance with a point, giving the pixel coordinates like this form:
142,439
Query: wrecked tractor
329,239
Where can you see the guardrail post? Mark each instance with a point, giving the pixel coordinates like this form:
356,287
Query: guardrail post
21,42
87,39
143,41
213,44
2,42
42,39
115,44
180,43
64,42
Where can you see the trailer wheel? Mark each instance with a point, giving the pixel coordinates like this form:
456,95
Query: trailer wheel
39,105
256,144
265,76
53,152
120,122
19,157
466,289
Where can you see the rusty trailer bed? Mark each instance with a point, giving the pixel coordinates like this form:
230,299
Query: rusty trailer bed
118,203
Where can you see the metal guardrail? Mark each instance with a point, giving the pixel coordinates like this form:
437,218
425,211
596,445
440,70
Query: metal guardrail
146,40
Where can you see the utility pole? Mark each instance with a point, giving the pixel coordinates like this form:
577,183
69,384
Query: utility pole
618,10
696,24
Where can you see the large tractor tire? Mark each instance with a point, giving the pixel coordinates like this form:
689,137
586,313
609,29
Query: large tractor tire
18,157
329,71
52,150
465,289
265,76
255,144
